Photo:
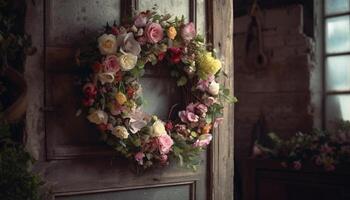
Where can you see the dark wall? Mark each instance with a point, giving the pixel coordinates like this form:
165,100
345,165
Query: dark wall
242,7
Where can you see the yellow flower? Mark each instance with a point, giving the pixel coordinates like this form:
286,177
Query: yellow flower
206,129
171,32
121,98
208,65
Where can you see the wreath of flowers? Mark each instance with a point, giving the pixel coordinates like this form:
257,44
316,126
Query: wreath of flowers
112,93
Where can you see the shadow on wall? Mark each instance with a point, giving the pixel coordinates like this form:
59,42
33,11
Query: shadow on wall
277,88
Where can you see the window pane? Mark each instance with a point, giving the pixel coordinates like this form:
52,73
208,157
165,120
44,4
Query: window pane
338,34
337,6
337,108
174,7
338,73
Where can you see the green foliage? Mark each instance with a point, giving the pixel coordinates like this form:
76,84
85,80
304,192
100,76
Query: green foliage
16,182
323,148
15,44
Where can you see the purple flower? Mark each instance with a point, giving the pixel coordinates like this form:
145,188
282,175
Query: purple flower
139,157
141,20
137,120
203,140
203,85
201,109
187,116
188,31
191,107
130,45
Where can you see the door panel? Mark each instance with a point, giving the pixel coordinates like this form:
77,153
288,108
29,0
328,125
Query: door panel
78,165
175,192
71,22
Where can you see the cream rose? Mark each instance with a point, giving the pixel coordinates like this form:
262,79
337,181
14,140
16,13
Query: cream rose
107,44
214,88
120,132
98,117
107,77
127,61
158,129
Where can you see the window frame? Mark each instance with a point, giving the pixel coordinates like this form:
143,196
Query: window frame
324,55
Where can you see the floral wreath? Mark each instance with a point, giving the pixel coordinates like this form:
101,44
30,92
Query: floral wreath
112,93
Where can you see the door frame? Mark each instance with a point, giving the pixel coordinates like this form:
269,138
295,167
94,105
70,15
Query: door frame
220,153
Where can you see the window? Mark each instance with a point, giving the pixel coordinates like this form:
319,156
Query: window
336,60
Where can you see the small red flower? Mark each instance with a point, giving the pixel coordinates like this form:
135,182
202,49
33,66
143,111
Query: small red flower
161,56
118,77
175,54
115,30
88,102
97,67
169,126
90,90
102,127
130,92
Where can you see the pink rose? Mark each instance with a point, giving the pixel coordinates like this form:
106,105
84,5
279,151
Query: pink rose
165,142
191,117
163,159
154,32
203,85
203,140
187,116
201,109
139,157
190,107
140,20
111,64
188,31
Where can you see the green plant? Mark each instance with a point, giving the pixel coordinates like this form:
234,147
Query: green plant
326,149
16,181
15,44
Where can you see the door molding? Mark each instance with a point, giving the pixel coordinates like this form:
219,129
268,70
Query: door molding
221,156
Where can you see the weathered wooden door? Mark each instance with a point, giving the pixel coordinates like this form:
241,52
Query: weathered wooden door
72,160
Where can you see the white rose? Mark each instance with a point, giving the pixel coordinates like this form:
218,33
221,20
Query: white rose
98,117
120,132
127,61
214,88
158,129
107,77
107,44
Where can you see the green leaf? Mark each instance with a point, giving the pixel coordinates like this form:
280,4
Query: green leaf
194,134
182,81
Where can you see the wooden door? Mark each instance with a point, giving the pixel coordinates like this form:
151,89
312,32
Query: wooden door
72,160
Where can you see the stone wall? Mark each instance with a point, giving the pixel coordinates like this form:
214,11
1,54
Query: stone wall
278,89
